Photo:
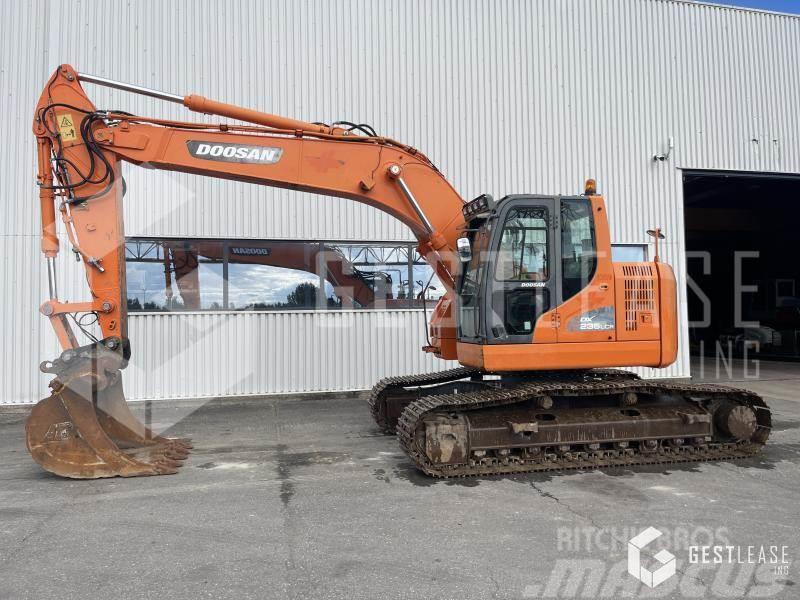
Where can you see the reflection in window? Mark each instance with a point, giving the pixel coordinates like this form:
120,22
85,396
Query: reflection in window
272,276
425,284
523,252
366,276
173,275
628,252
469,294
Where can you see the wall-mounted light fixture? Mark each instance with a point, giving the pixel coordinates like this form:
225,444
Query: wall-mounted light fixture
663,157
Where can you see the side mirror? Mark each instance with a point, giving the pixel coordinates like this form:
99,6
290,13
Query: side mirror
464,249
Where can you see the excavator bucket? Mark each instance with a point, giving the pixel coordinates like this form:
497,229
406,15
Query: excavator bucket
86,430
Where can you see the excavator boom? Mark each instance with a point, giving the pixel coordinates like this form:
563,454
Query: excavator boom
85,429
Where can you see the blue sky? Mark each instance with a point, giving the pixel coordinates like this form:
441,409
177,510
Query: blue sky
787,6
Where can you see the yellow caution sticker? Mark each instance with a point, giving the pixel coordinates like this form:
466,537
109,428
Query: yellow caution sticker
66,127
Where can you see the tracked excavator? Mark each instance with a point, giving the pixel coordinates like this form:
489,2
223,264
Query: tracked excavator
535,310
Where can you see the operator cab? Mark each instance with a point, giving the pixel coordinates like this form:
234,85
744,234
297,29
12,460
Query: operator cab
522,257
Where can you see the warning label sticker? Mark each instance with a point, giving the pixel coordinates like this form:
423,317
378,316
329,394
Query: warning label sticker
66,127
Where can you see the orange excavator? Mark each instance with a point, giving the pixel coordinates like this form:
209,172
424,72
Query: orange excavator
534,308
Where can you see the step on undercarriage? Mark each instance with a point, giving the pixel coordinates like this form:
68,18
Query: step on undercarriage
463,422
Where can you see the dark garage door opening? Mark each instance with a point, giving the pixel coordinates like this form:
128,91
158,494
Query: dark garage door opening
742,259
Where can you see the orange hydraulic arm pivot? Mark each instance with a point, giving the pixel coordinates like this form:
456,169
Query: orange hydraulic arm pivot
87,146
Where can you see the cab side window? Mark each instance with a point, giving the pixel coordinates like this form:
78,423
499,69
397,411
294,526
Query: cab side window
578,246
524,251
469,295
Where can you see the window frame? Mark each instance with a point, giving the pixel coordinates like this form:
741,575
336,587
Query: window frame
409,261
564,296
548,250
627,245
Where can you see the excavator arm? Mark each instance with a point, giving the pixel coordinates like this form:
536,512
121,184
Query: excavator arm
85,428
81,149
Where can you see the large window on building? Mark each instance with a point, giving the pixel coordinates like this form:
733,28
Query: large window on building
236,275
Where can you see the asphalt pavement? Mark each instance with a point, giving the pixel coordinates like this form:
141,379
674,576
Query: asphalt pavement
305,498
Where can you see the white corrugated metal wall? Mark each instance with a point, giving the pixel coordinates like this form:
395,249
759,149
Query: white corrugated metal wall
507,97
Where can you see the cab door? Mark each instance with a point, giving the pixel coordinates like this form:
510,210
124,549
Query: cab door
524,272
586,302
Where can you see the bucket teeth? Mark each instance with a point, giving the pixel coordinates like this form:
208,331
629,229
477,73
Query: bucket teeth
86,430
158,452
185,443
160,456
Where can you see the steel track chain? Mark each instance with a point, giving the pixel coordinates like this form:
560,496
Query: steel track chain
416,411
382,390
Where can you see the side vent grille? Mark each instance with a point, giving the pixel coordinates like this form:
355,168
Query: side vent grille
639,293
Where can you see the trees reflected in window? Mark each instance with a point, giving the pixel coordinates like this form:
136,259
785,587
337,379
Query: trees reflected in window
236,275
174,275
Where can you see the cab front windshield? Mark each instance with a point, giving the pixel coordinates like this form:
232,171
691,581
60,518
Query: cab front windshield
523,254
